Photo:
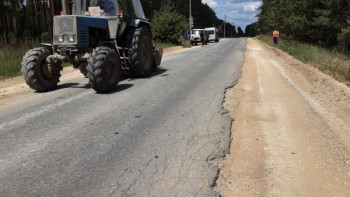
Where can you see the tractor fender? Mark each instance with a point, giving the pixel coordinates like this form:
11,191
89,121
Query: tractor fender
140,22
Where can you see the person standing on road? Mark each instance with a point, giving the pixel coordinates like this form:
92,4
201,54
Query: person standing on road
206,37
187,42
202,37
187,35
275,35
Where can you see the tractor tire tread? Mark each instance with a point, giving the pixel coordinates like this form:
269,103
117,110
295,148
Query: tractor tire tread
31,73
95,69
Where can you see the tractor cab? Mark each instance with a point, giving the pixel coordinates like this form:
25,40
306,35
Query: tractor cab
129,8
81,7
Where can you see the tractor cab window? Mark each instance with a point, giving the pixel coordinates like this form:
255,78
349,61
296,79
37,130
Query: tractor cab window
127,7
80,7
110,7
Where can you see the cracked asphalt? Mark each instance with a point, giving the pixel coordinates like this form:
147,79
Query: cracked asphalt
150,137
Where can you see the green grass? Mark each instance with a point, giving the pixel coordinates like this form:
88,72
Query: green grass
10,60
158,44
333,63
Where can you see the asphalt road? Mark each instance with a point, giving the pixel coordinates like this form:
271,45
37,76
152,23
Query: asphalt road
150,137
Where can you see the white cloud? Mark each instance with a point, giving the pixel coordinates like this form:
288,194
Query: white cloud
251,6
210,3
238,12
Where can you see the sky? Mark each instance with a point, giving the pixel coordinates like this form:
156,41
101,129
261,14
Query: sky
238,12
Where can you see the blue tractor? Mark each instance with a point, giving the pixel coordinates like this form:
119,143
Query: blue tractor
101,38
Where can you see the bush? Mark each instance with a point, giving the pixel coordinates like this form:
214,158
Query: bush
10,60
168,25
45,37
12,38
27,38
344,40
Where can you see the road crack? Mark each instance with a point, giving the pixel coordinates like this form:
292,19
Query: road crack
223,144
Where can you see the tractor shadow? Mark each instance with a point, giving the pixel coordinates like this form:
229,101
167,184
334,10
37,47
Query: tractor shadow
73,85
118,88
158,71
125,75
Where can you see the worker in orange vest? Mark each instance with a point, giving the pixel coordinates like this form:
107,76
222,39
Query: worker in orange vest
275,35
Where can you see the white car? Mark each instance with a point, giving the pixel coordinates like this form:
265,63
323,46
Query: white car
196,36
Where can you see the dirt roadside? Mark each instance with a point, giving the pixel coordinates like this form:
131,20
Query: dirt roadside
291,134
16,86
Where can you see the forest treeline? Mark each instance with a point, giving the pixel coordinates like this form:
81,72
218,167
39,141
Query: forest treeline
321,22
23,21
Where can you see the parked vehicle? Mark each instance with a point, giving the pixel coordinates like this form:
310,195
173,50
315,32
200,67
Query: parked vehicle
196,36
213,34
100,37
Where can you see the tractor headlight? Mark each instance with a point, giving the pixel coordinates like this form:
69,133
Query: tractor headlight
71,38
60,38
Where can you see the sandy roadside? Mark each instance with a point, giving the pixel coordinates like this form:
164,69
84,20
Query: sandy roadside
16,86
291,134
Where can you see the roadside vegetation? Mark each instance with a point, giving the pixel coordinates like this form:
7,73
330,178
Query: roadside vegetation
318,22
331,62
10,60
167,24
315,32
163,45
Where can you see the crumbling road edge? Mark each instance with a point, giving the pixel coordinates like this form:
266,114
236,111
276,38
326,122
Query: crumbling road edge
224,145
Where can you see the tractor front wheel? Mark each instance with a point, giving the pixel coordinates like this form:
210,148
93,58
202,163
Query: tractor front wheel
104,69
38,74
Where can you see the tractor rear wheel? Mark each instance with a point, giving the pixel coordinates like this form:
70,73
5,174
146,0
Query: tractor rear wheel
104,69
140,52
38,74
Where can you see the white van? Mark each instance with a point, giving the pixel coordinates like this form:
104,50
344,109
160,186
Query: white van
213,34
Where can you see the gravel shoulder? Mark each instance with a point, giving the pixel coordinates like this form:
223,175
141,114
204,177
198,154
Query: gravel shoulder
291,130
